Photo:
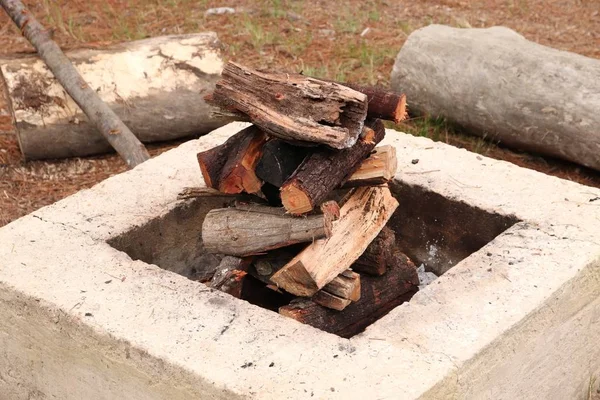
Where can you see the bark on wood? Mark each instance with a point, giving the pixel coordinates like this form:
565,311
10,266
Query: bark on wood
378,169
400,261
361,219
383,104
212,161
325,170
241,232
238,171
375,259
154,85
279,160
229,275
379,295
515,91
294,107
102,117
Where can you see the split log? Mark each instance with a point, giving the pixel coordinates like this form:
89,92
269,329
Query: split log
213,161
361,219
378,169
379,295
238,171
375,259
520,93
325,169
328,300
294,107
154,85
242,232
340,292
229,275
346,285
279,160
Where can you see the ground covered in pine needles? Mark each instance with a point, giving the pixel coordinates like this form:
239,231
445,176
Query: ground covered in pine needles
354,41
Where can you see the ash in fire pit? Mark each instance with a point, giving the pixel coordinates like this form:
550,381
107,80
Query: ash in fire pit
340,253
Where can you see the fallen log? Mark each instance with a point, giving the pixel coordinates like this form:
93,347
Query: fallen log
378,169
238,173
379,295
294,107
516,92
230,275
376,257
238,232
362,217
154,86
324,170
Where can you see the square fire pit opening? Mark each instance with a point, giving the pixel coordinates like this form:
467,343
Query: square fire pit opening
434,231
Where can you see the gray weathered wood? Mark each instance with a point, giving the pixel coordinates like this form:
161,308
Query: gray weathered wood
244,232
156,86
102,117
499,85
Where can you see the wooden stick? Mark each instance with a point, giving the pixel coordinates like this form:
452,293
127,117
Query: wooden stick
244,232
375,259
362,217
325,170
379,295
294,107
104,118
193,192
378,169
279,161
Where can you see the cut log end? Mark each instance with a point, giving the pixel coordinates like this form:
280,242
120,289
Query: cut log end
295,200
401,112
329,300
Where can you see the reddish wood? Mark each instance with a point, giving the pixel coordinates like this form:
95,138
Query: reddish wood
379,294
362,217
238,172
294,107
325,169
383,104
230,274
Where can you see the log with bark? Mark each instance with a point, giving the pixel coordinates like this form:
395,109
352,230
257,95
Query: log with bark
294,107
230,166
362,217
379,295
238,173
155,86
324,170
516,92
376,257
241,232
383,104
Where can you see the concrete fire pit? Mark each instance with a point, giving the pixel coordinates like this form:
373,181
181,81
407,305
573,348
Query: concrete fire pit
95,302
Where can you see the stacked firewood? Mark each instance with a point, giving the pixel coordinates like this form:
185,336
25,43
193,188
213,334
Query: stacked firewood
306,230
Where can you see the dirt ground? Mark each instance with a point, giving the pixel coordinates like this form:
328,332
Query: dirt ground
320,38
